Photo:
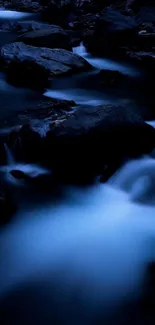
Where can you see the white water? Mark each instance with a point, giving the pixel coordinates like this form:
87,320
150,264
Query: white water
90,97
78,95
100,63
93,245
8,14
152,123
30,170
9,155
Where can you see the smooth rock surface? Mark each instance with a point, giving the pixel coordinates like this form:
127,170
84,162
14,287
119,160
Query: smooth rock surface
53,37
38,64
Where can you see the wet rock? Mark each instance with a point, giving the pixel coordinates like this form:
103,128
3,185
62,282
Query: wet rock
35,75
22,5
7,206
38,64
36,120
25,26
111,78
58,12
148,293
20,175
53,37
94,136
146,40
87,141
41,108
32,143
137,5
144,59
33,175
112,30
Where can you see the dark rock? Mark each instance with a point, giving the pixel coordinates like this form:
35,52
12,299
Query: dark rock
22,5
7,206
27,74
78,146
37,64
111,78
136,5
112,30
145,40
85,24
20,175
144,59
32,143
53,37
58,12
146,15
148,293
34,176
94,136
41,108
25,26
35,121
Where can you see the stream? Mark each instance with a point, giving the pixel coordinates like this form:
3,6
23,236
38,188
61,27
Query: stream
76,255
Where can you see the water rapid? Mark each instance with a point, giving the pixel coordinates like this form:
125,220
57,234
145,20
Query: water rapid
82,253
94,245
71,89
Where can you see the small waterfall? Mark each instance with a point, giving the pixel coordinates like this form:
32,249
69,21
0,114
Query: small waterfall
9,155
102,63
137,178
80,50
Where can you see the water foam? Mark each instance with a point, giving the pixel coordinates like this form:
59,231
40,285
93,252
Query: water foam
93,245
100,63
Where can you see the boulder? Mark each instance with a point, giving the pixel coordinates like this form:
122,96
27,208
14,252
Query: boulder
28,141
112,78
20,175
24,26
145,40
58,12
38,64
145,59
7,206
87,142
112,30
136,5
94,136
33,175
53,37
22,5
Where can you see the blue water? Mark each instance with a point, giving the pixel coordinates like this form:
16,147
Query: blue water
81,254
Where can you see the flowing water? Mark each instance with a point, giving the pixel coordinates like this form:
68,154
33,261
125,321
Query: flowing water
100,63
79,256
85,93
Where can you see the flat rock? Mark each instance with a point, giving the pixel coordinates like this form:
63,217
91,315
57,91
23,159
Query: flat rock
25,26
38,64
53,37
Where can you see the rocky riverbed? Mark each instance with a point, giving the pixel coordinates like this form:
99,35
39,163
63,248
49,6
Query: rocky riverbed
77,87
